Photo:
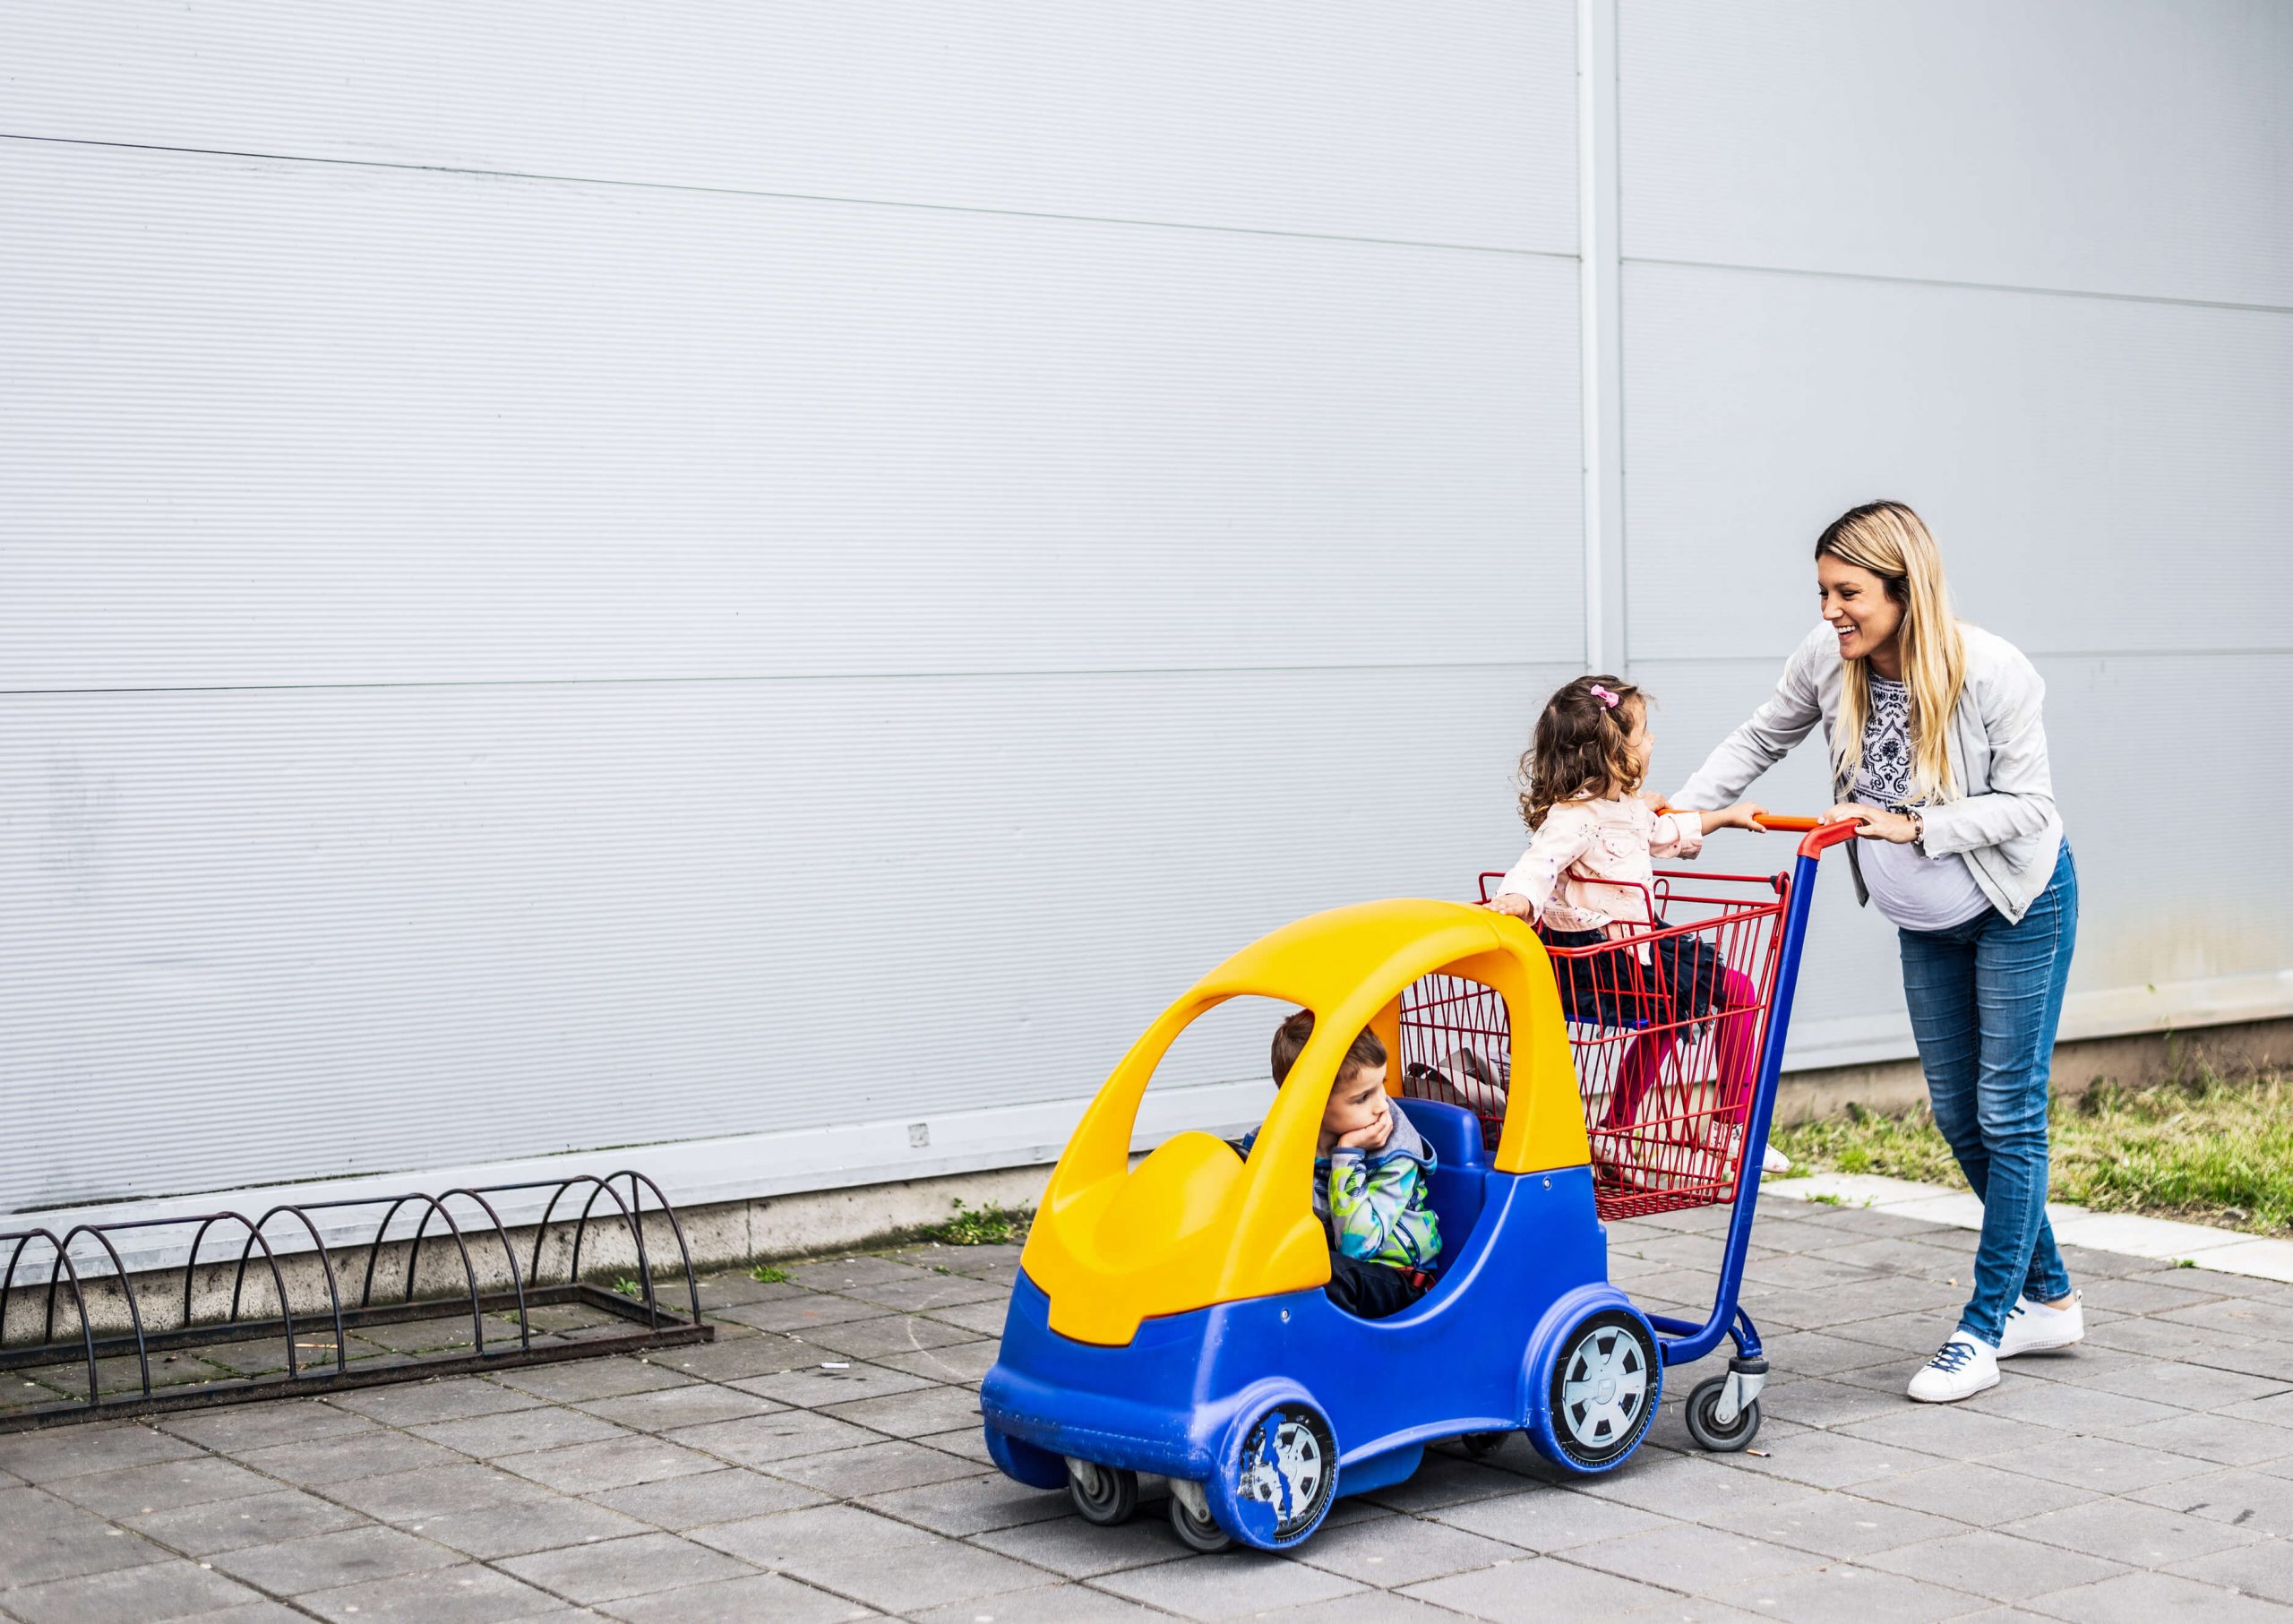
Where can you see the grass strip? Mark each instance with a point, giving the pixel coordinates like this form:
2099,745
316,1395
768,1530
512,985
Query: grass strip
2206,1149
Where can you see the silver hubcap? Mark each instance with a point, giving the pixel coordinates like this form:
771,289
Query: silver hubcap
1603,1387
1282,1465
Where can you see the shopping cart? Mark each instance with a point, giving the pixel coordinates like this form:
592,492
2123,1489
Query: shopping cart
1678,1032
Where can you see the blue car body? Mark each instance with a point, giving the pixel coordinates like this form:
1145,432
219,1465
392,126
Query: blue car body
1525,1256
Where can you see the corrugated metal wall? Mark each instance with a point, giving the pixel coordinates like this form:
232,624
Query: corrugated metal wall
582,575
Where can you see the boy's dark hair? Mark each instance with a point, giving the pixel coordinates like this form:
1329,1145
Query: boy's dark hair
1581,745
1289,1040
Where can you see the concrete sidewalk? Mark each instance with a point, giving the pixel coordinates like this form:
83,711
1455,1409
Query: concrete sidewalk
823,1462
2225,1251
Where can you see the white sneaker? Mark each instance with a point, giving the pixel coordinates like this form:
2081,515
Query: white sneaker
1961,1367
2032,1327
1774,1161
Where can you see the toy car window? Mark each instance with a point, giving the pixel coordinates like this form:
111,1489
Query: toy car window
1456,1047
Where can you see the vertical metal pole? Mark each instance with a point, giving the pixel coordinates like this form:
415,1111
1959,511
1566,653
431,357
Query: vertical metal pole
1600,337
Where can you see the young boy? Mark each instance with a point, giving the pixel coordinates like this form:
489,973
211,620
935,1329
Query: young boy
1372,1180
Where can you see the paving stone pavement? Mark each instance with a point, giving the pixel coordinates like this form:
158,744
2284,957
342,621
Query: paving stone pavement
822,1461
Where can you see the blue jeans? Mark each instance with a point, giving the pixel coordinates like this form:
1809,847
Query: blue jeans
1984,999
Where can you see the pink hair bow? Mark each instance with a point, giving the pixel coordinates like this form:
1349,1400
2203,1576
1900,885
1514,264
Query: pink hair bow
1604,696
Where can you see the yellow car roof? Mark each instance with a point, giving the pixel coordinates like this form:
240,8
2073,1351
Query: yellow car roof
1194,1225
1319,959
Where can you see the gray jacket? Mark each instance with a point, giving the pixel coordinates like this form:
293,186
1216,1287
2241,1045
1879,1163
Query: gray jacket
2001,816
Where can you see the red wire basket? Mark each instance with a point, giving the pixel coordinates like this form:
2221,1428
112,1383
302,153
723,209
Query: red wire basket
1666,1025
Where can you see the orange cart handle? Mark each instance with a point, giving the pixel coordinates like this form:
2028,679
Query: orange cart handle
1821,836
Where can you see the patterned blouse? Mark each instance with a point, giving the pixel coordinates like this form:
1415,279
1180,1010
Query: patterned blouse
1915,891
1884,778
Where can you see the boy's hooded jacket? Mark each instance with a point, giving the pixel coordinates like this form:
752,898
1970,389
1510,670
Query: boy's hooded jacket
1376,1204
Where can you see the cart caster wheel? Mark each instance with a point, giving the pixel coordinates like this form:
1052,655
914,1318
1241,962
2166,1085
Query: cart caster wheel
1102,1495
1702,1404
1604,1389
1481,1446
1197,1529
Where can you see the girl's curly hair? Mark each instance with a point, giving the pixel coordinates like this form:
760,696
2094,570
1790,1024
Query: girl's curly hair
1582,746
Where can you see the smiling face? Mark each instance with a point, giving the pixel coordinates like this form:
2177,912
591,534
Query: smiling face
1857,606
1356,1102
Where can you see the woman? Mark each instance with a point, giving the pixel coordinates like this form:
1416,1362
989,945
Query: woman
1938,751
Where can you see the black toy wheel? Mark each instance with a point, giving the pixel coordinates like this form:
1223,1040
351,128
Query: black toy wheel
1200,1534
1103,1495
1703,1402
1604,1388
1481,1446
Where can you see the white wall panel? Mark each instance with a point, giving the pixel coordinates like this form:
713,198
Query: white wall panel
2141,743
289,933
2114,146
2166,932
2103,475
296,423
1446,122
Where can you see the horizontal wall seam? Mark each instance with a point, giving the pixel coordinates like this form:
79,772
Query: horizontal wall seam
1778,657
1030,672
807,197
793,676
1927,282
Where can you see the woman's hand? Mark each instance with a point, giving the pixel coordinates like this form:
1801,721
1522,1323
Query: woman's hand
1513,903
1879,824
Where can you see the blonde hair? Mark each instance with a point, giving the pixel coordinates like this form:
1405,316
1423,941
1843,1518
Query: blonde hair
1890,541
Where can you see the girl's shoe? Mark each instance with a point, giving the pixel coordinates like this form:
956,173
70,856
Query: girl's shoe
2032,1327
1725,1142
1961,1367
1632,1160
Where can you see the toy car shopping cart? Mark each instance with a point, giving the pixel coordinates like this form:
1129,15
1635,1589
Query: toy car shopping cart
1677,1029
1169,1333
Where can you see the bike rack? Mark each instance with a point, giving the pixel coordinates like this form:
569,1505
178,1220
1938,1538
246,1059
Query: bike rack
653,1324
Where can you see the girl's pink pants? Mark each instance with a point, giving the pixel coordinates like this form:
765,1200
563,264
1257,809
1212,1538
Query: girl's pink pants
1736,1016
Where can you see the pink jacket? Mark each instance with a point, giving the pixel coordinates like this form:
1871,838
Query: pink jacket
1583,843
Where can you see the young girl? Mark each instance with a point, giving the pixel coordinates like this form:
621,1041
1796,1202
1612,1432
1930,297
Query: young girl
1588,879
